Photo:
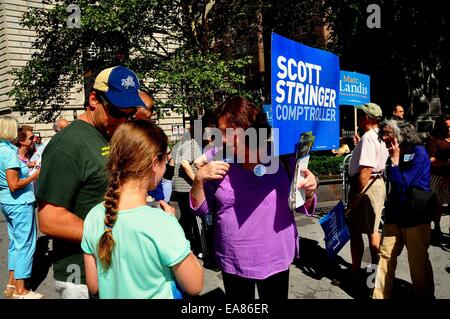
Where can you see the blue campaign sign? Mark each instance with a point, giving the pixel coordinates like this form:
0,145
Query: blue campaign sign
354,88
305,94
335,229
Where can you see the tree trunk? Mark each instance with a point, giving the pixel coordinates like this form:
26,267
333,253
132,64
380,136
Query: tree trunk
261,66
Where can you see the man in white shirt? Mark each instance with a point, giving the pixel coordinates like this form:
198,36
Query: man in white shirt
368,162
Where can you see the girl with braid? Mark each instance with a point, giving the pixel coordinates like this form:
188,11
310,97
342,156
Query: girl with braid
133,250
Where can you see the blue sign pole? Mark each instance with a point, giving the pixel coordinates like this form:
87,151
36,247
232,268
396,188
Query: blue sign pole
305,94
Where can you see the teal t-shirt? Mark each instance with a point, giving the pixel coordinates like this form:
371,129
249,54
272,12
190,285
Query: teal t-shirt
148,242
9,159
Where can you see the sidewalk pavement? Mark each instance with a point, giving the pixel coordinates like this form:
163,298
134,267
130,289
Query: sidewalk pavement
313,276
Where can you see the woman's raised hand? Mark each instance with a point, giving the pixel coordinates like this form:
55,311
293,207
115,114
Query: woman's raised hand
394,152
212,170
167,208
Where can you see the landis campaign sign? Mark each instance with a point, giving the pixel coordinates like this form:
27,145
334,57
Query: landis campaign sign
305,94
354,88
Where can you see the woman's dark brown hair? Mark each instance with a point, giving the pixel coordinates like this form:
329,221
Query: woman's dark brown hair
134,147
239,112
23,132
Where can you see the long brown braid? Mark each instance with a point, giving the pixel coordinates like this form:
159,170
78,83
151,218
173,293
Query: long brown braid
134,147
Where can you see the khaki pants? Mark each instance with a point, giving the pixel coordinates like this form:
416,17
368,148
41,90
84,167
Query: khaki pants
417,241
366,216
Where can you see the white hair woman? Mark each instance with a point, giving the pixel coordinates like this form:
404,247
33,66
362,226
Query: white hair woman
17,203
405,225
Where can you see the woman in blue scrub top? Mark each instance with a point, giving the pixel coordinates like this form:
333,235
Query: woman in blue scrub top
17,203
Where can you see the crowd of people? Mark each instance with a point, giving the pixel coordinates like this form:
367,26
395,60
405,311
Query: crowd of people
103,183
391,149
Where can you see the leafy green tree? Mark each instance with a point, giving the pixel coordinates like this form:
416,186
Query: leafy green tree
196,80
197,52
64,56
198,74
141,34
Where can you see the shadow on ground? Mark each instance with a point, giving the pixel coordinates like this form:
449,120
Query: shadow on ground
315,263
41,263
440,240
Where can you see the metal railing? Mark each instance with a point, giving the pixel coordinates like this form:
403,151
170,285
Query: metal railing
345,176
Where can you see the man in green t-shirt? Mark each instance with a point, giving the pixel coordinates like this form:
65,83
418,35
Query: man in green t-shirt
73,177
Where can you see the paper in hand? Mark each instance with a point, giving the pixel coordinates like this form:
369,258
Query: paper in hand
36,167
297,197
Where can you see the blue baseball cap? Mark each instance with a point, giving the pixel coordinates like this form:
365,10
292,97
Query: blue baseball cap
121,87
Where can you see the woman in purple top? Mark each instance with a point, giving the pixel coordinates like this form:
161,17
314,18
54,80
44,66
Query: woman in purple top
256,236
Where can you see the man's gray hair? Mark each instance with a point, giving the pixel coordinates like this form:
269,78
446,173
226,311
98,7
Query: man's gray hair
57,125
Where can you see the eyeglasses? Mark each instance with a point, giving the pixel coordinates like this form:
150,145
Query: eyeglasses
115,112
31,138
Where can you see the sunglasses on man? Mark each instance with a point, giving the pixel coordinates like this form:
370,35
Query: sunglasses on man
114,111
